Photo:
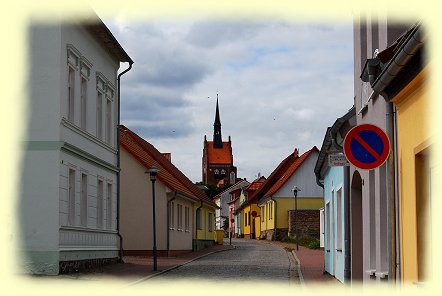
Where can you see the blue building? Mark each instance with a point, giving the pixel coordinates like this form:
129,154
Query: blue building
333,177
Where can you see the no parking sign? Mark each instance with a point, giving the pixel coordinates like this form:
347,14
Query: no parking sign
366,146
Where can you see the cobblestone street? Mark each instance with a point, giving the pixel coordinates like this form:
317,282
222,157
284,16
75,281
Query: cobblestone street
249,261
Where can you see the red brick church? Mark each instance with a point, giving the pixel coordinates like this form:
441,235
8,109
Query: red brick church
218,168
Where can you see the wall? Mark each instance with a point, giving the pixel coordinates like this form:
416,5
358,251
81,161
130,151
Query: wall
136,207
334,260
413,105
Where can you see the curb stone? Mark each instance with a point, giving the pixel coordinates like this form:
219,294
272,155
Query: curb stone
301,277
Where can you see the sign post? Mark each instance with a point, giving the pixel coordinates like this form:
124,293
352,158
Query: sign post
366,146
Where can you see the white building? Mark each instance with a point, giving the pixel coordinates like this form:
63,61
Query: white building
68,200
221,199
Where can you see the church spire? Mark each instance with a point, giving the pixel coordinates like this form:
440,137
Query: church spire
217,138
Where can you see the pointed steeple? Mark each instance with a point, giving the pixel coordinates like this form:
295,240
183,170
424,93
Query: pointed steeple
217,138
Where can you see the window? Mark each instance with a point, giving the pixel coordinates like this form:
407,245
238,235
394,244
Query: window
100,204
172,215
71,94
83,201
109,206
262,214
71,197
210,221
339,219
99,115
186,219
83,102
327,227
180,217
108,121
198,219
245,220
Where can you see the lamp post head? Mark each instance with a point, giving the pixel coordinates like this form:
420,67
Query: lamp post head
153,171
295,190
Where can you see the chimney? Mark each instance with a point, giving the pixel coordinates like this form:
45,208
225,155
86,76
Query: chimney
168,156
296,152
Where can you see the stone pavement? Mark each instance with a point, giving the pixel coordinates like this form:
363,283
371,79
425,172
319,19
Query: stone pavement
136,269
312,264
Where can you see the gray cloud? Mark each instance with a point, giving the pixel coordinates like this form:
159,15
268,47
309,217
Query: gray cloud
280,85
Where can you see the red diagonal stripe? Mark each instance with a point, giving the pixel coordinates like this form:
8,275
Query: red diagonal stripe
366,146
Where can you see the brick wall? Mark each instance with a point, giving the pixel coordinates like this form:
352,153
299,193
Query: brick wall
308,222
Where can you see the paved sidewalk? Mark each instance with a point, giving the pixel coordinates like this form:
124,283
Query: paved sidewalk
312,264
135,269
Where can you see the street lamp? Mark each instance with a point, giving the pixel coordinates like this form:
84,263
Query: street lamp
295,192
153,171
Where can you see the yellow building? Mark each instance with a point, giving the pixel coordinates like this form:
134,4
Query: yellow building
416,177
277,202
204,224
250,210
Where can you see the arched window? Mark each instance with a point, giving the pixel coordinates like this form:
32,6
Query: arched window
216,172
223,173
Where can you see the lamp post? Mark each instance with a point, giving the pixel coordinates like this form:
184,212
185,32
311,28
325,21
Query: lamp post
295,192
153,171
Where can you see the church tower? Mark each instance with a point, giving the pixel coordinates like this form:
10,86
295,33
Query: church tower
217,138
217,162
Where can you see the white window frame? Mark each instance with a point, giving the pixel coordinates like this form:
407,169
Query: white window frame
186,219
71,196
339,224
172,216
109,215
83,200
108,122
71,94
99,115
100,191
327,227
83,102
179,217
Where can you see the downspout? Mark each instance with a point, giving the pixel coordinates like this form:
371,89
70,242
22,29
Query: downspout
196,226
396,198
120,253
168,222
390,196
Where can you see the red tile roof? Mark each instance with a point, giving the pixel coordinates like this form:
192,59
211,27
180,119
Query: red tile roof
219,155
255,185
290,170
149,156
281,174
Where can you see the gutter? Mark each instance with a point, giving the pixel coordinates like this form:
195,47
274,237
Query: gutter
120,253
409,48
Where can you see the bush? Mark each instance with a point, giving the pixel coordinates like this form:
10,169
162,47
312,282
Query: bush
305,240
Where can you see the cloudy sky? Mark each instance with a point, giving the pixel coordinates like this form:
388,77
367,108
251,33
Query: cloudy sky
280,84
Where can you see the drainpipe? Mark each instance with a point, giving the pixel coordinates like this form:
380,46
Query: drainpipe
390,195
196,226
120,253
396,198
168,222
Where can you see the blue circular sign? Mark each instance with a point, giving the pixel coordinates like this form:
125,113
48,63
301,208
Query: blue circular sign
366,146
